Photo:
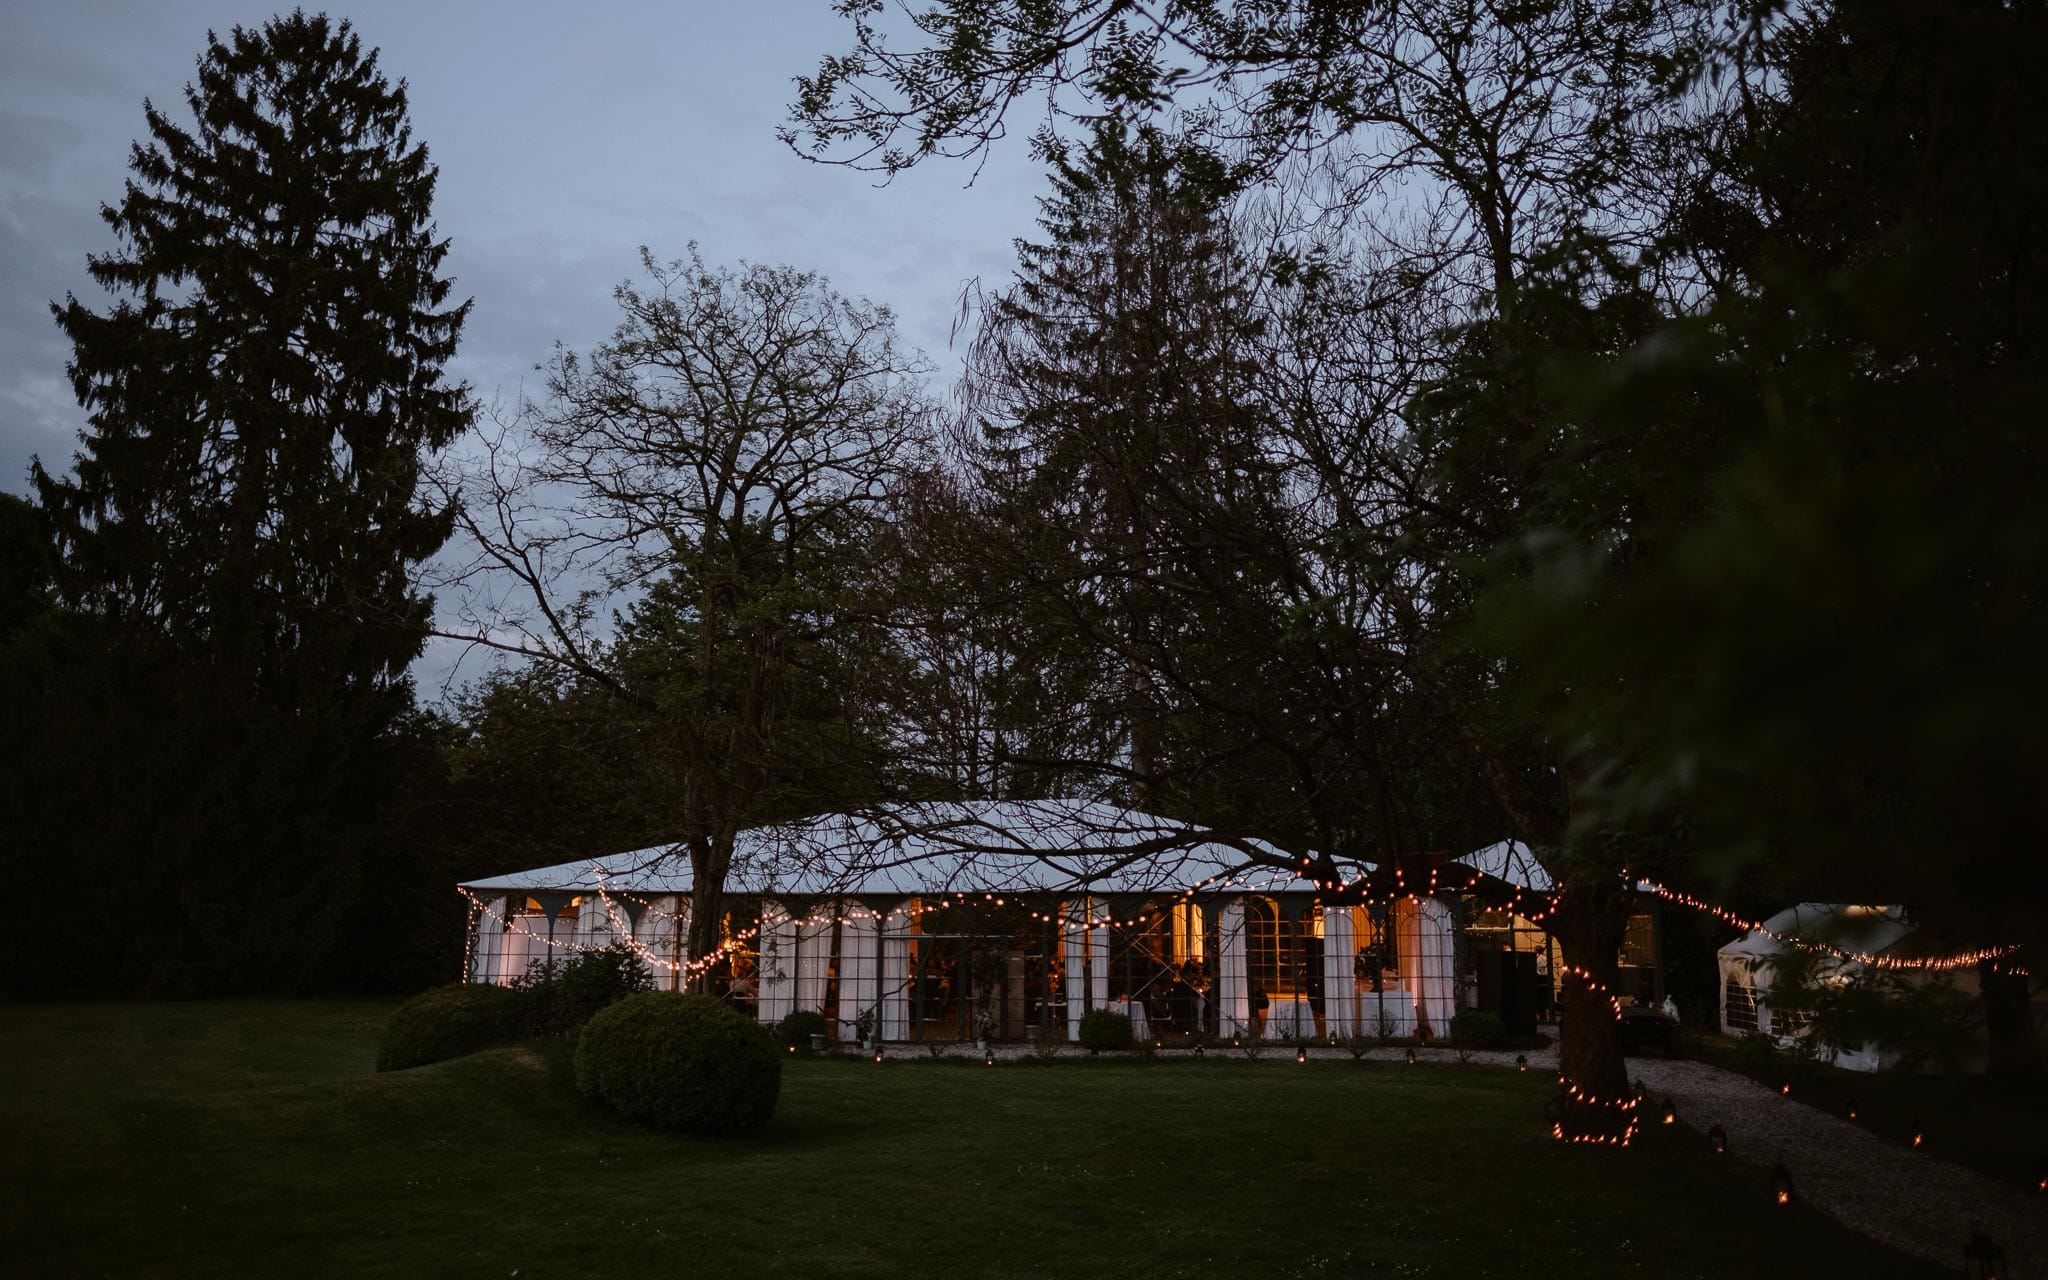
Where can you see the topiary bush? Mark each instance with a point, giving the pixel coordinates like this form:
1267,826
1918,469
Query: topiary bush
797,1029
563,995
1478,1029
1103,1030
450,1022
682,1062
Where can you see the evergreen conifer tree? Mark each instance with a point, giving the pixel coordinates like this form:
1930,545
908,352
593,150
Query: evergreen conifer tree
260,400
236,537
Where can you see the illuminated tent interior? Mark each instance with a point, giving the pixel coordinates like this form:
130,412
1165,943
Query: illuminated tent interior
1009,920
1748,967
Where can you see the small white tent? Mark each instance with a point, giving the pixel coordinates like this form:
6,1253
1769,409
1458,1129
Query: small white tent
1748,967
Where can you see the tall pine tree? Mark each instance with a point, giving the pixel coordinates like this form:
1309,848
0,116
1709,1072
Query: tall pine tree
244,513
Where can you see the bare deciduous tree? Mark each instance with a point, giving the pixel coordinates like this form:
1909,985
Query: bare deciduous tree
709,479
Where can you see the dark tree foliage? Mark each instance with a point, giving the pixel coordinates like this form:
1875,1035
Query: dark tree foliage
260,399
235,541
1805,618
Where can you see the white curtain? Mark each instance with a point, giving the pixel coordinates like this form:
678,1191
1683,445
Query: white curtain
593,924
486,939
1233,991
778,959
896,975
523,942
1428,947
659,932
1087,951
859,941
814,957
1340,988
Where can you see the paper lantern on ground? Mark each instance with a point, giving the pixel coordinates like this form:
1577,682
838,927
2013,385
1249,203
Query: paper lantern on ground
1670,1112
1301,1055
2041,1176
878,1053
988,1057
1411,1057
1198,1048
1914,1136
1852,1108
1717,1138
1785,1089
1781,1184
1983,1259
1521,1062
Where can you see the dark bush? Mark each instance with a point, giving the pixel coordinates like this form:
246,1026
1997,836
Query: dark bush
449,1022
1478,1029
565,994
684,1062
1103,1030
797,1028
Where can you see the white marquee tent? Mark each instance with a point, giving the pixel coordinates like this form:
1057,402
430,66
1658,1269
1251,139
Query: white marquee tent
1082,854
1747,967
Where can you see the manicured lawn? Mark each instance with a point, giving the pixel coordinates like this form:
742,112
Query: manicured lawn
254,1139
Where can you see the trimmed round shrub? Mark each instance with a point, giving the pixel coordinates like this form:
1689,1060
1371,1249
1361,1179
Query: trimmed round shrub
1478,1029
450,1022
684,1062
1103,1030
797,1028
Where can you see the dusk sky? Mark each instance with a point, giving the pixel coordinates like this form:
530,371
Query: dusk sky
566,138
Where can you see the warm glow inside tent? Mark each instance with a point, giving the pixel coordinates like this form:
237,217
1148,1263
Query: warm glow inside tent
1749,967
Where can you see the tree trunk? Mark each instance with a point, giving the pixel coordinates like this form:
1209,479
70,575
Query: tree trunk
707,913
1595,1102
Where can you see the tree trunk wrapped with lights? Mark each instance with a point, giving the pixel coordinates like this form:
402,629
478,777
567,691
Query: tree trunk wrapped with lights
1595,1102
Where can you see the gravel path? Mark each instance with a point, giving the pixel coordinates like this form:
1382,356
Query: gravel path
1917,1203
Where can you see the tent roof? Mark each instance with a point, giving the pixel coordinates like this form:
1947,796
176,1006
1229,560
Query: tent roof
993,846
1870,929
1510,861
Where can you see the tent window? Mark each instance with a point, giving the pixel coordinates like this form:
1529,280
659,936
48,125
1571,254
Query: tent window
1639,944
1741,1004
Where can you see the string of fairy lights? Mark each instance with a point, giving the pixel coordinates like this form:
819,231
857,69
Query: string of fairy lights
1066,921
1922,964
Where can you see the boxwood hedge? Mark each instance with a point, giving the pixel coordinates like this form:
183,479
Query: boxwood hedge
449,1022
681,1062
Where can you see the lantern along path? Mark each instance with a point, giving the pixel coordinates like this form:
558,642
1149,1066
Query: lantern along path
1914,1202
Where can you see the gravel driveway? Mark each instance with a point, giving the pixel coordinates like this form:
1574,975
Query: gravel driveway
1917,1203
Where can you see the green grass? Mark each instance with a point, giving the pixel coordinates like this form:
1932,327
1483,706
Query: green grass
1998,1127
254,1139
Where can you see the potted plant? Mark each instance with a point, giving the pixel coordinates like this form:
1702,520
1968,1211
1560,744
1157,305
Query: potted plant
864,1027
